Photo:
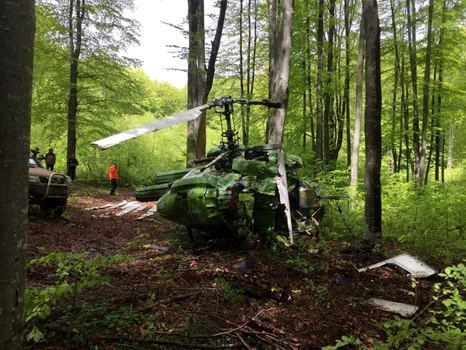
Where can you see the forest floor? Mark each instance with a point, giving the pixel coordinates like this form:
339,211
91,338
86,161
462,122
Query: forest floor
233,295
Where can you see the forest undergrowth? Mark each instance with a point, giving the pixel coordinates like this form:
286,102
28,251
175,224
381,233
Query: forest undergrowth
116,283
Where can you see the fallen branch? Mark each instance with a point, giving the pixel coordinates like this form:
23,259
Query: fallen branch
243,325
243,341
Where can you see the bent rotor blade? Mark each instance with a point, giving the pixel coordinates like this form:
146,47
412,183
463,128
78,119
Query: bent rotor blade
167,122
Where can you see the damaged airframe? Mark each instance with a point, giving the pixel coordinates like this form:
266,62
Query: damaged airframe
209,196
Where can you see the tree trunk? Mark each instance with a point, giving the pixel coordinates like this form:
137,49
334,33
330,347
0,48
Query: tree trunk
16,59
425,101
196,138
411,11
244,125
272,41
395,88
439,138
76,11
308,76
319,156
328,100
404,101
281,74
347,83
373,133
200,78
451,141
251,65
358,116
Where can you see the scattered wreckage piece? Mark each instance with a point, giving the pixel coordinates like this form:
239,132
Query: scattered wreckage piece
118,205
128,204
106,206
414,266
128,208
150,212
405,310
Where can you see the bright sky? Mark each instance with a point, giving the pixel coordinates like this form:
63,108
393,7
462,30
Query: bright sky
155,36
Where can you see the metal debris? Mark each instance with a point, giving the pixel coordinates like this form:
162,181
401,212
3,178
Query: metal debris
141,207
414,266
405,310
100,207
118,205
127,205
128,208
150,212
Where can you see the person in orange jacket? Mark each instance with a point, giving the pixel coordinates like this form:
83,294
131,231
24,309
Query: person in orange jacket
113,175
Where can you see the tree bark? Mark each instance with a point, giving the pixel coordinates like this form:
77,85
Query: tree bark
76,13
358,116
281,74
395,88
347,83
451,141
16,59
373,134
200,77
328,99
308,76
319,154
425,101
411,11
251,65
196,79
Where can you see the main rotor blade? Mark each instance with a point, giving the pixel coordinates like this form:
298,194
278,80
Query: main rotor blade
167,122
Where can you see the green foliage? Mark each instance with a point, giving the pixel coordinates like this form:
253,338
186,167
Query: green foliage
139,241
443,328
228,293
73,273
301,265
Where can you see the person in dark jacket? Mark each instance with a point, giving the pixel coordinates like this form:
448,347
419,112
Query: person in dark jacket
72,164
35,153
50,160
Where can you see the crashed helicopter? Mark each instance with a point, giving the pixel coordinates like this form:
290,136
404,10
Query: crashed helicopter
208,197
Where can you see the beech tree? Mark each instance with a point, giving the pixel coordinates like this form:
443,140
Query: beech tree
200,77
373,129
280,55
93,31
16,60
358,117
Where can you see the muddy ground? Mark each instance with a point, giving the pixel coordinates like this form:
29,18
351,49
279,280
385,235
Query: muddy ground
232,295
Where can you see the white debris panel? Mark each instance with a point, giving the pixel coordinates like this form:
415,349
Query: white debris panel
405,310
125,208
409,263
128,209
150,212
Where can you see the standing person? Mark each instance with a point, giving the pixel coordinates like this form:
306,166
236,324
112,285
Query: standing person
113,175
72,164
50,159
35,153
